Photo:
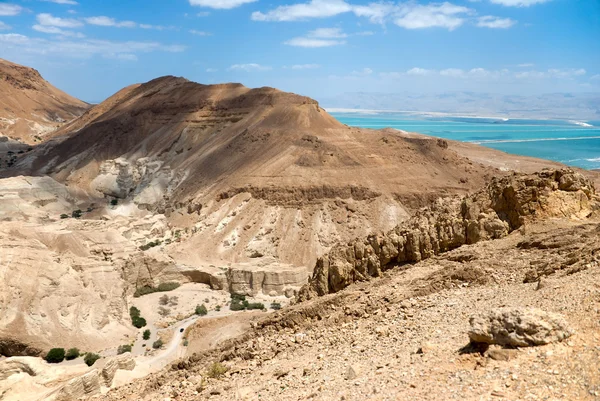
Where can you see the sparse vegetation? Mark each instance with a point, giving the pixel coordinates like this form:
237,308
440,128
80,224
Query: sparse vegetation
157,344
216,370
275,305
146,334
114,202
218,308
91,358
76,214
185,342
55,355
201,310
64,216
150,244
136,318
164,312
239,302
123,349
72,353
163,287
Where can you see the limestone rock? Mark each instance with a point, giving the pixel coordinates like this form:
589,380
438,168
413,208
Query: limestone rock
504,205
518,327
82,386
124,362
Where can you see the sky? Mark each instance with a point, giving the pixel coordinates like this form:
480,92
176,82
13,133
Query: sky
318,48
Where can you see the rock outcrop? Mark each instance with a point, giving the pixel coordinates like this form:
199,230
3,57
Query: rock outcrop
503,206
123,362
85,385
519,327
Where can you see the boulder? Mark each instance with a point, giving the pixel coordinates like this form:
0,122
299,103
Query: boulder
518,327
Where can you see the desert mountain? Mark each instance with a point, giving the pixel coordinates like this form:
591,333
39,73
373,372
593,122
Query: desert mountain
30,108
253,172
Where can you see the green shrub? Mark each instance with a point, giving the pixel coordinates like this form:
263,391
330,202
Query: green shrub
185,342
146,334
163,287
275,305
114,202
236,306
216,370
201,310
138,322
123,349
76,214
134,312
255,305
218,308
91,358
72,353
64,216
157,344
55,355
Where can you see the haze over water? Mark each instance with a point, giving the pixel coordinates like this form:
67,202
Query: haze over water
570,142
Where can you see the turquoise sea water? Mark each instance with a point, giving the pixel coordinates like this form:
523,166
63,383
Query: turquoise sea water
569,142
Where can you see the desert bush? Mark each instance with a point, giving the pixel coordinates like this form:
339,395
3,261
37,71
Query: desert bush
72,353
164,311
157,344
55,355
91,358
163,287
64,216
123,349
201,310
150,244
167,286
146,334
218,308
134,312
163,300
114,202
216,370
275,305
76,214
236,306
138,322
254,305
185,342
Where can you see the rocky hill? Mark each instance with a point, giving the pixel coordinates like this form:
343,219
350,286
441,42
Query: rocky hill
30,108
514,317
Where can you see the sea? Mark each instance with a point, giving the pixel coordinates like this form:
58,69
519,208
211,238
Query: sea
575,143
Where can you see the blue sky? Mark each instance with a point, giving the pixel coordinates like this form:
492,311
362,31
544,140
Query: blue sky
318,48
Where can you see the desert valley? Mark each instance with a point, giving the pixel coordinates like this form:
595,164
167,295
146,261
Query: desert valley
181,241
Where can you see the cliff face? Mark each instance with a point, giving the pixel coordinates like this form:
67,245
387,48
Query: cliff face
31,109
502,207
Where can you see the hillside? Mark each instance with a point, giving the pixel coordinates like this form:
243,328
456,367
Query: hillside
31,109
254,172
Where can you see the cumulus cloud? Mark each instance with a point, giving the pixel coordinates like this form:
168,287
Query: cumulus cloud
69,2
518,3
444,15
490,21
249,67
220,4
10,10
199,33
49,20
418,71
321,37
305,66
302,11
81,49
107,21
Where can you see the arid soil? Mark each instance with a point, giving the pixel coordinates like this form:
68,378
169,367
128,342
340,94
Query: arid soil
385,242
31,109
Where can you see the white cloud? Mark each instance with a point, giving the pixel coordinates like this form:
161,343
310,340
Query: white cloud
452,72
327,33
490,21
313,42
220,4
211,70
419,71
249,67
518,3
122,56
525,65
107,21
321,37
302,11
156,27
49,20
375,12
3,26
81,49
305,66
200,33
553,73
70,2
9,10
56,31
444,15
